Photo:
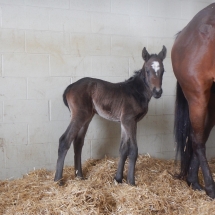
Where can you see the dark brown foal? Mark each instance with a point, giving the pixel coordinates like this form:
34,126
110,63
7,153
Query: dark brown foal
124,102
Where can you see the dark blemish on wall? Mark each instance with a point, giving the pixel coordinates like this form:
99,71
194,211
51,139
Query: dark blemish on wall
2,144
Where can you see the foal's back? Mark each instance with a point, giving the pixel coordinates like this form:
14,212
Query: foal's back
109,100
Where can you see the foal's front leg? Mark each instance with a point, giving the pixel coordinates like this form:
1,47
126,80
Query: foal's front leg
123,150
128,148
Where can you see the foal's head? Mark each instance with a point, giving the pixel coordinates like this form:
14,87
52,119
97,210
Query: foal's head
154,69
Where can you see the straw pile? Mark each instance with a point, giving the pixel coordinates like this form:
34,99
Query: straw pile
156,191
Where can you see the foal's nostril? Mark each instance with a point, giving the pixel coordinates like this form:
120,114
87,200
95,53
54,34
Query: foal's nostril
157,90
160,91
157,93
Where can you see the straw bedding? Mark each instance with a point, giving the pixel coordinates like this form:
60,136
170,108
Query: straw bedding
156,191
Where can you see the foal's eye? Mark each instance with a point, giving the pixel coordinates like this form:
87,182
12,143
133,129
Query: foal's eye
147,71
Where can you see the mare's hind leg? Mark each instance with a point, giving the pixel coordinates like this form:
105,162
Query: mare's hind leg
192,178
198,112
128,148
78,144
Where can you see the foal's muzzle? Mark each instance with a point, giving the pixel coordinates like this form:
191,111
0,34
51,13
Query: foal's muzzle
157,93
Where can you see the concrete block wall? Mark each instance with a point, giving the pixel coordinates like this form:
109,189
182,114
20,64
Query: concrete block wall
46,45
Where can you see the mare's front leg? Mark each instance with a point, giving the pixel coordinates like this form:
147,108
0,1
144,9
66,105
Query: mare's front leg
128,148
198,113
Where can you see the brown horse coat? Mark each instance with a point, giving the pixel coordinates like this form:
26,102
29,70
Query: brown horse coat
193,60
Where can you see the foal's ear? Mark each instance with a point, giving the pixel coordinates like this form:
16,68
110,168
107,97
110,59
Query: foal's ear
145,54
162,54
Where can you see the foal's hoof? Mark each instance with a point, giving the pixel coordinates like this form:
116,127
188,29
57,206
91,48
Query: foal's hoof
118,180
79,177
131,183
60,182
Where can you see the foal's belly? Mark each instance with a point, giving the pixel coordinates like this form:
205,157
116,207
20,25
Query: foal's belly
107,113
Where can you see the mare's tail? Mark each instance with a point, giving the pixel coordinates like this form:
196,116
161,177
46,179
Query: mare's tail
182,131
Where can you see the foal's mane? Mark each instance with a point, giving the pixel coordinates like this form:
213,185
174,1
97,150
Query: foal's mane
137,87
136,73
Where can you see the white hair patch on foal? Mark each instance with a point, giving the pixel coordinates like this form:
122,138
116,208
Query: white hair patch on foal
156,66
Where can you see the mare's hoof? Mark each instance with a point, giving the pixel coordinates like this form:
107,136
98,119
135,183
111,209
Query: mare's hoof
210,191
195,186
211,194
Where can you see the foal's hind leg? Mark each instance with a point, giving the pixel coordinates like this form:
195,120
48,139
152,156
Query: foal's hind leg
64,145
78,144
128,148
67,138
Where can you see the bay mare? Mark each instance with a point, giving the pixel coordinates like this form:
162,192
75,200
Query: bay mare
193,60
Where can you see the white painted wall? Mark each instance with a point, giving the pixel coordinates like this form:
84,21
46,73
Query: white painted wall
47,44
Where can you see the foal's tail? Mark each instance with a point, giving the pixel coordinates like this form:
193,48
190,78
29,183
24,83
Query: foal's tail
182,131
64,97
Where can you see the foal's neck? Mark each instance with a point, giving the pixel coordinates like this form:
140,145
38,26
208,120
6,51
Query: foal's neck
140,81
139,87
